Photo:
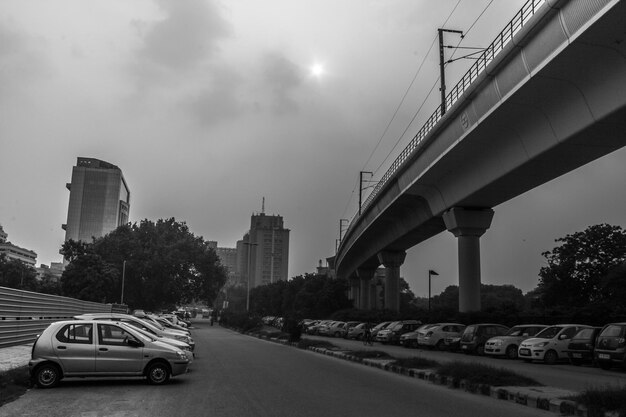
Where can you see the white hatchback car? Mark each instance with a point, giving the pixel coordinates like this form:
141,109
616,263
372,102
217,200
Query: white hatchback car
550,344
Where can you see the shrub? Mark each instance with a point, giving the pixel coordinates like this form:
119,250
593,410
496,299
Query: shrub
416,362
370,354
13,384
598,400
305,343
475,373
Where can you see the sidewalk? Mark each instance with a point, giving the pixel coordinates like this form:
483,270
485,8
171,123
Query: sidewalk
14,357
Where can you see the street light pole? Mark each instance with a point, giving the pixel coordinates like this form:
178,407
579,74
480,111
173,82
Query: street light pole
442,77
249,244
430,273
123,278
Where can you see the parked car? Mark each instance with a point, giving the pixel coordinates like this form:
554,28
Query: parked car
356,332
88,348
550,344
581,346
142,324
349,326
410,339
336,329
176,343
315,328
393,332
433,337
611,346
380,326
507,344
474,336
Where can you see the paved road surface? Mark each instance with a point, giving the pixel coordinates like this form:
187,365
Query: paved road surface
236,375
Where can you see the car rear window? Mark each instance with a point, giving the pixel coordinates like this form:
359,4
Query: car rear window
75,333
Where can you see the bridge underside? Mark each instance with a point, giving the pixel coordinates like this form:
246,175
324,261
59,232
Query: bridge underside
504,138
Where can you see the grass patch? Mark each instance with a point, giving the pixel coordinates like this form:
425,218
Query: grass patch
599,400
305,343
369,354
476,373
416,362
13,384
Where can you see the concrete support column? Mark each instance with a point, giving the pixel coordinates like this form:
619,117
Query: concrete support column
355,285
365,277
468,225
392,262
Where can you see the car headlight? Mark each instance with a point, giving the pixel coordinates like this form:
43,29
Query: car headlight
541,344
181,355
497,342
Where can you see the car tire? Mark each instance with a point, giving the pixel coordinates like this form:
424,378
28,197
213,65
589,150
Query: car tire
550,357
337,334
158,373
440,345
511,352
359,337
47,375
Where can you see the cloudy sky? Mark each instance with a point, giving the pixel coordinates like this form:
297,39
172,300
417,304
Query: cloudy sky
209,106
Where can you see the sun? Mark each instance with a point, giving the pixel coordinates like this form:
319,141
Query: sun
317,70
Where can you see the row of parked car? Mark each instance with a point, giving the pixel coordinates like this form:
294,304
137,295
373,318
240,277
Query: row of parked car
577,343
109,344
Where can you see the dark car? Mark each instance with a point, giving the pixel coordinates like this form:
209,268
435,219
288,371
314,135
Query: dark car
611,346
475,335
581,346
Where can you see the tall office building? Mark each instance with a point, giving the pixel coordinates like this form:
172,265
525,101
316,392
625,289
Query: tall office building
99,200
264,251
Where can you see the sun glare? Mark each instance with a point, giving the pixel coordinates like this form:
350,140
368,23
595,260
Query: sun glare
317,70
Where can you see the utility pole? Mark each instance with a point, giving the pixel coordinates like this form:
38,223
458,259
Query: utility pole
123,279
250,245
442,63
361,187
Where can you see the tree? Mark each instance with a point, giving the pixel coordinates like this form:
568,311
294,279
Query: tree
577,268
160,263
16,274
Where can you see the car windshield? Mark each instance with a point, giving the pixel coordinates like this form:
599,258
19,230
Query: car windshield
549,332
515,331
612,331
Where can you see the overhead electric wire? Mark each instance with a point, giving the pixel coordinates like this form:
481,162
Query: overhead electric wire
395,113
433,87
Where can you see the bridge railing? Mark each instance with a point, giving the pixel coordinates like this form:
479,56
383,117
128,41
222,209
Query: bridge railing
25,314
479,66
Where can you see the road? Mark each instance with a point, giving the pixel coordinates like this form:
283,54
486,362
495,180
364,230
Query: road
566,376
236,375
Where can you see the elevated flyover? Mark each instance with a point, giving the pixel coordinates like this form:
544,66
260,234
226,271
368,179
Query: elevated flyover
547,96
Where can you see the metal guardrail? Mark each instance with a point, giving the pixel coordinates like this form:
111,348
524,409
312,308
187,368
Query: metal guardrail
479,66
25,314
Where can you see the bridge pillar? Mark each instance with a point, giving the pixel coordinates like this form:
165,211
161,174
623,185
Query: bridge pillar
354,292
365,276
468,225
392,261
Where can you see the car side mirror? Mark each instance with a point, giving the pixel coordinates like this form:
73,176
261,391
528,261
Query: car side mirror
563,337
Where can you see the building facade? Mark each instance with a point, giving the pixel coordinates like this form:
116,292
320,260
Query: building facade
99,200
12,251
263,253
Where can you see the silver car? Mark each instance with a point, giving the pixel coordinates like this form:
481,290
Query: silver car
87,348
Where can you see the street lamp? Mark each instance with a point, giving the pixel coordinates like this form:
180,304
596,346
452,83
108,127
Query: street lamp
123,278
249,245
430,273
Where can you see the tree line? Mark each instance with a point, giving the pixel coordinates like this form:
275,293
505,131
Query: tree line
152,265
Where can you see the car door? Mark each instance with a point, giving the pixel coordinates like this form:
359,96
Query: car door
74,346
562,340
114,355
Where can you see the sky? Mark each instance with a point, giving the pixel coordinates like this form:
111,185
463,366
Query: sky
210,106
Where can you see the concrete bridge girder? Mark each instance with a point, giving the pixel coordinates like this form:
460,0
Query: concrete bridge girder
556,102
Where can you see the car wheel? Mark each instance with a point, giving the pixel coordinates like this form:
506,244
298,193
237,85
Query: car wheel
337,334
359,336
550,357
511,352
47,375
158,373
440,345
